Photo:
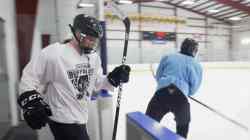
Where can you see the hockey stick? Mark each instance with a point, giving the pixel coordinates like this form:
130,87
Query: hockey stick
126,22
245,128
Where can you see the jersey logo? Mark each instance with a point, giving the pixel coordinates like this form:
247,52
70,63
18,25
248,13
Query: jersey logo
80,78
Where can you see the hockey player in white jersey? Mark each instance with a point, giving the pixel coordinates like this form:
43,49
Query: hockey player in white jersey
56,85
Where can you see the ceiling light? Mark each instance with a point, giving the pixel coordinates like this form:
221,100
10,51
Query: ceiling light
245,41
235,18
125,2
84,5
188,2
213,10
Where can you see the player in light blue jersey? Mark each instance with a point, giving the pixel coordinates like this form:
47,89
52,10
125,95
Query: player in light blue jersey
178,76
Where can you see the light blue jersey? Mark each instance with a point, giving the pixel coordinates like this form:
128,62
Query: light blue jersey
183,71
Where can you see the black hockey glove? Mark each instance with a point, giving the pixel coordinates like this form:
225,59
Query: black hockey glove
119,75
35,110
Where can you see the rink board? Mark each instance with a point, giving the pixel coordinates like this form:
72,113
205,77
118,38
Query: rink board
142,127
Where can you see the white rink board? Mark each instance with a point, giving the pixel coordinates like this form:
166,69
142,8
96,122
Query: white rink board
225,87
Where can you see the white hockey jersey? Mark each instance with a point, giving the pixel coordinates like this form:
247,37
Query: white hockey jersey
68,79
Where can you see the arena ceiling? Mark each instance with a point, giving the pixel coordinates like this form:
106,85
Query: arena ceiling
223,10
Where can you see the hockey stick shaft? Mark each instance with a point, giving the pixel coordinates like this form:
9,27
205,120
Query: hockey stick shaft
210,108
126,22
120,85
220,114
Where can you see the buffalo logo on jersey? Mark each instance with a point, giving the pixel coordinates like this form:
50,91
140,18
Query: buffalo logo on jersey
80,77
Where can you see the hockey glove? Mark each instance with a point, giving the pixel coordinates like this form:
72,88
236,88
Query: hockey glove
119,75
35,110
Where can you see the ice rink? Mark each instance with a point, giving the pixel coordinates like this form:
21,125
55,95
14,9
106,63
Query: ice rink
225,87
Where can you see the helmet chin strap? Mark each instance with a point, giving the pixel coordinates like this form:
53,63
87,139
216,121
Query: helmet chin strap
82,49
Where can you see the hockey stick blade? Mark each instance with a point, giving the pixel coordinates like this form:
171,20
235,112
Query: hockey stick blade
116,10
126,22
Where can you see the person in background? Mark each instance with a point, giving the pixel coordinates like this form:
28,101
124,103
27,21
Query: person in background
178,75
56,85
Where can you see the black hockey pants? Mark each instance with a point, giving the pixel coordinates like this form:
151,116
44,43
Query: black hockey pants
63,131
170,99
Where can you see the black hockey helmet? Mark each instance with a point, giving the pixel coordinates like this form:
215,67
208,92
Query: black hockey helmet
189,47
88,25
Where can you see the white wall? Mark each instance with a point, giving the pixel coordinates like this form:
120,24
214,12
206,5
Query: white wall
241,41
213,41
7,12
46,20
54,17
66,12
